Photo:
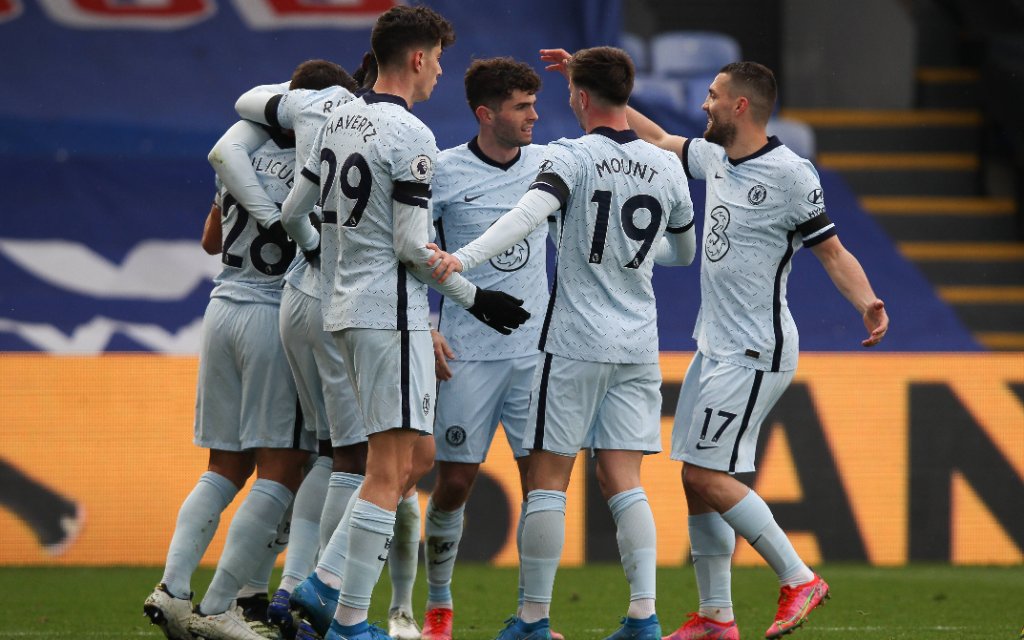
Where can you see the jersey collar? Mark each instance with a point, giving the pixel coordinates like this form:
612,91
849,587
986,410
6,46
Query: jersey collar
474,146
622,137
372,97
773,142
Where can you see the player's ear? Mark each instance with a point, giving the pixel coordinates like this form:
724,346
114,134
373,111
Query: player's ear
742,104
417,59
483,114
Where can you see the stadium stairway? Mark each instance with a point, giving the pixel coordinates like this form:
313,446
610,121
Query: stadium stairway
920,174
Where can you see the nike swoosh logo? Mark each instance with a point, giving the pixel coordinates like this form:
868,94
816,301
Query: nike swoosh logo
323,603
278,542
714,446
382,558
442,561
718,176
469,198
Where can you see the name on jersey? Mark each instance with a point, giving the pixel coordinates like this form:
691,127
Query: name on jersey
358,123
627,167
277,168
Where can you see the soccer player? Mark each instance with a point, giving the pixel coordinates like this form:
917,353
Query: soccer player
599,385
490,377
379,161
54,519
763,203
246,411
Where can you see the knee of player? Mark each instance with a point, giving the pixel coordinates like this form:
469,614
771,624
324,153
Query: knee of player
698,479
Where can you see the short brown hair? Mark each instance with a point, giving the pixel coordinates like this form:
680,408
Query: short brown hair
756,83
320,74
491,81
402,28
607,72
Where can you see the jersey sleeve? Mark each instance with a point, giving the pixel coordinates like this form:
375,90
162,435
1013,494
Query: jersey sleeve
412,167
695,156
287,108
808,207
558,172
680,217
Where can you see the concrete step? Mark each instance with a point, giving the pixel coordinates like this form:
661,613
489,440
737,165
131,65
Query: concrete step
948,88
956,130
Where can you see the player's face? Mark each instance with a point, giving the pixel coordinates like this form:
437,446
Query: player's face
429,72
718,105
513,121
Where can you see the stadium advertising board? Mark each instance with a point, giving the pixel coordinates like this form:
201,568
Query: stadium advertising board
883,458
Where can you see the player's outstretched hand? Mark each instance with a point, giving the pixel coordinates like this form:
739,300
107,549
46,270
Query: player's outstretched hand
445,264
442,354
498,310
557,60
876,321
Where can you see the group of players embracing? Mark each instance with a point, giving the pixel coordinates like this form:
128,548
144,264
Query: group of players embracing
320,371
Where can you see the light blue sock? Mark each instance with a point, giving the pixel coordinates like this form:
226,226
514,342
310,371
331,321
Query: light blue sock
543,538
370,534
252,530
198,518
519,550
405,552
339,493
260,580
712,543
331,567
752,519
304,537
443,531
635,534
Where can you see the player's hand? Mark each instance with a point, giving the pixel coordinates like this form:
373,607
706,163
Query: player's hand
442,354
444,263
876,321
498,310
557,60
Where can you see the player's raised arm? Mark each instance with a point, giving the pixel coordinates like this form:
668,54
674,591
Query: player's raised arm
230,159
259,104
852,282
650,131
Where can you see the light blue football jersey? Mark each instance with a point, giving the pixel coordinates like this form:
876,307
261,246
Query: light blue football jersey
304,111
622,194
758,212
471,192
373,150
254,262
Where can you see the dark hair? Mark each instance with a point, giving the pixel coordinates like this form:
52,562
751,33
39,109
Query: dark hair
491,81
606,72
402,28
366,75
320,74
756,83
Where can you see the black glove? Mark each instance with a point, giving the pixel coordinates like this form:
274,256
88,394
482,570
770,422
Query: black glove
498,310
312,255
277,233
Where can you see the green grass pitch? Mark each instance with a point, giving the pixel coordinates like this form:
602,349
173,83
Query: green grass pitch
904,603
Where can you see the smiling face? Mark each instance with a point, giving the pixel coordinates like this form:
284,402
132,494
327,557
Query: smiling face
719,105
513,121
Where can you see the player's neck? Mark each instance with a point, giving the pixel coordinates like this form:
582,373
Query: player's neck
493,149
747,143
396,86
612,119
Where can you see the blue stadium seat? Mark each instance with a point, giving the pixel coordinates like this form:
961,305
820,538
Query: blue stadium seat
688,53
796,135
636,47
